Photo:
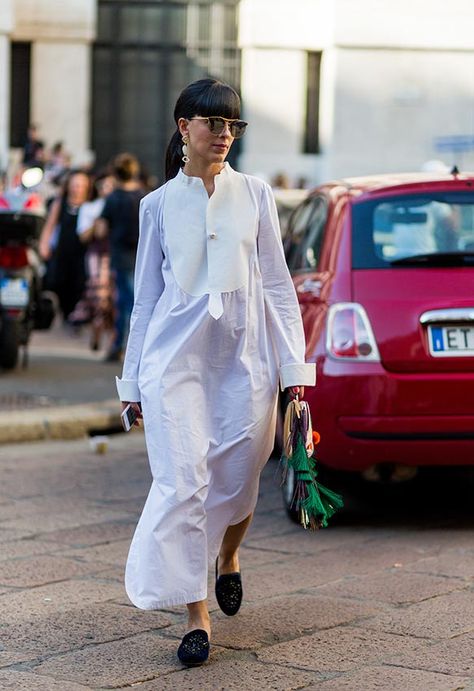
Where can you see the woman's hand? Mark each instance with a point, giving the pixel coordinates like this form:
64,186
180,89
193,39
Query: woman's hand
44,249
295,391
136,407
101,228
44,245
87,235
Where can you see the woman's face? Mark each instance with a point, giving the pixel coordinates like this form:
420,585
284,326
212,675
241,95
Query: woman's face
78,189
106,186
203,146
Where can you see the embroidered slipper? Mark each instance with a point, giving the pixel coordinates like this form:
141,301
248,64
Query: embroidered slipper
194,648
229,591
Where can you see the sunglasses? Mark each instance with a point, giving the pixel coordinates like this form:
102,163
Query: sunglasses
217,125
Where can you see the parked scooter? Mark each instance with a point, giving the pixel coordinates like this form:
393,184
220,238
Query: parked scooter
24,306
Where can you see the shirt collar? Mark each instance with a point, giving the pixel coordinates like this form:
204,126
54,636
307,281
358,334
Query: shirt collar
189,180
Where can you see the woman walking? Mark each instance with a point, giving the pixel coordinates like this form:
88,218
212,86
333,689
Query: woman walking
215,326
60,245
96,306
118,223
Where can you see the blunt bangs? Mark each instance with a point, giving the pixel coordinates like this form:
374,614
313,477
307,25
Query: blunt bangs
219,99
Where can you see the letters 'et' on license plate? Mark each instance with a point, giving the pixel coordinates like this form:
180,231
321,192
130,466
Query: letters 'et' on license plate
451,341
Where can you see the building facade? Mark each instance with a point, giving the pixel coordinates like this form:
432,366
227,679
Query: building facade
330,87
46,72
144,54
392,84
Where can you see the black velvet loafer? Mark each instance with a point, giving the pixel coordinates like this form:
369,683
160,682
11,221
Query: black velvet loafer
194,648
229,592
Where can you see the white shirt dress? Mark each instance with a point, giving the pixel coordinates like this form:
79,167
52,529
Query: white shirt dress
215,326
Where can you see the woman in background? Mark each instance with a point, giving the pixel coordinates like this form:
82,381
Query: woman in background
60,245
97,304
119,223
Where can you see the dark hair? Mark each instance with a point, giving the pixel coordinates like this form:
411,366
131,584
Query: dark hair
66,180
125,167
204,97
96,179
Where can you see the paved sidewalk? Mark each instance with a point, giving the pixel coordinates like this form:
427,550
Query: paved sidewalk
65,392
380,601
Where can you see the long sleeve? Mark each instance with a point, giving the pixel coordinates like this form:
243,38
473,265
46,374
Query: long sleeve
283,311
148,286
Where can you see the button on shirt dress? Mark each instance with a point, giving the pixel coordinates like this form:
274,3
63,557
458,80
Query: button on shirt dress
215,326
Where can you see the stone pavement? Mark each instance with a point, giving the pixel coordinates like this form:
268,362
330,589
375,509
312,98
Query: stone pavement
381,600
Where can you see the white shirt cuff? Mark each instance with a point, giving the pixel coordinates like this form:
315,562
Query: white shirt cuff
297,375
128,389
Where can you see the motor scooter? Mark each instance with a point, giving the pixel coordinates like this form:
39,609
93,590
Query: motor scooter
24,305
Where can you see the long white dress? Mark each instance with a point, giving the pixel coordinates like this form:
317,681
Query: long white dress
215,324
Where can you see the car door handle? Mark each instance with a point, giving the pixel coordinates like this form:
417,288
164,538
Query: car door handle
310,286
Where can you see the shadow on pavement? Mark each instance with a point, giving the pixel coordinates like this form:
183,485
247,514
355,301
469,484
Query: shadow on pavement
435,498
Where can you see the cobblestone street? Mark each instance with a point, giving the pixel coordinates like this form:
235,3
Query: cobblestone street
380,600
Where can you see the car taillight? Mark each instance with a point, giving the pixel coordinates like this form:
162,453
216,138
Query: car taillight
3,203
349,334
13,257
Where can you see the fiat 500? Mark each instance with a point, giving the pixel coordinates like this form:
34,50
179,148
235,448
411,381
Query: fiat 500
384,272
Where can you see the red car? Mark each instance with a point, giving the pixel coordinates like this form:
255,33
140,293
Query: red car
384,270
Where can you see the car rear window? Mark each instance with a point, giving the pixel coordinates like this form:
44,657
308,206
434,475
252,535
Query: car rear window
305,234
429,230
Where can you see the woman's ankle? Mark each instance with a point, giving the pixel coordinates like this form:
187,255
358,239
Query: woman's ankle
198,617
228,562
199,622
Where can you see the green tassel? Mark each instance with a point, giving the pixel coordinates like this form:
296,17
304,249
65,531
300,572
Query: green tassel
314,506
314,502
333,501
299,459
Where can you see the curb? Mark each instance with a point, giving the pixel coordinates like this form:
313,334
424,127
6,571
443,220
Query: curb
61,422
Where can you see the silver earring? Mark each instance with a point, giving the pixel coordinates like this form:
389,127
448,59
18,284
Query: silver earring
185,158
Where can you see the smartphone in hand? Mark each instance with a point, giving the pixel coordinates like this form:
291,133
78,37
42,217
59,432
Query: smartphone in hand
128,416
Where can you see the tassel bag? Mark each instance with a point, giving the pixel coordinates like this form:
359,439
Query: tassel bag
314,503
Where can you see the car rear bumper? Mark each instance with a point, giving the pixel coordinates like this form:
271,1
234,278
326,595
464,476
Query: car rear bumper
360,454
435,427
366,416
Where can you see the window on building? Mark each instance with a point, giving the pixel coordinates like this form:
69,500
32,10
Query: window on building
20,62
146,52
311,135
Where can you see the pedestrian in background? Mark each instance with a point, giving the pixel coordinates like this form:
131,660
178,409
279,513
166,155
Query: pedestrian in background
96,307
60,246
33,149
215,326
58,162
119,223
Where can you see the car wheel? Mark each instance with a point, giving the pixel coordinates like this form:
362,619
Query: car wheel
283,400
288,490
9,344
278,444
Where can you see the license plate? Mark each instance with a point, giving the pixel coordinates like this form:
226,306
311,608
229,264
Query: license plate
14,292
451,341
